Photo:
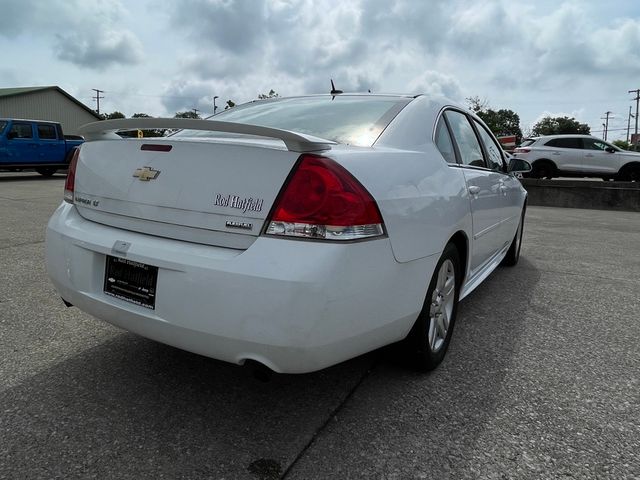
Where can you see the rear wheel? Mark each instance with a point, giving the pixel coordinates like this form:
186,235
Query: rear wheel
630,173
543,169
429,338
46,171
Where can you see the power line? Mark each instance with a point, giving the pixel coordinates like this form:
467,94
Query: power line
97,98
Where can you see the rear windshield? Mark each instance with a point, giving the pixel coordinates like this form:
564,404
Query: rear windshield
527,142
351,120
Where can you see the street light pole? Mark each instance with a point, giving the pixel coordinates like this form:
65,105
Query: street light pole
214,104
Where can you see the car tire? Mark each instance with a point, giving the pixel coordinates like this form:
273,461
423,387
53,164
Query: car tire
513,254
46,171
428,340
629,173
543,169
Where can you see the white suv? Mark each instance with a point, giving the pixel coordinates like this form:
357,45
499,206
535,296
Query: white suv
578,156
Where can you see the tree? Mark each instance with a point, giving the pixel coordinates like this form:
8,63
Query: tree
230,104
113,115
476,104
140,115
501,122
559,126
271,94
622,144
187,114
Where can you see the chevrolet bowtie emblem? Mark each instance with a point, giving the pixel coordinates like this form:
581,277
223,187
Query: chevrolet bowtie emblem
146,173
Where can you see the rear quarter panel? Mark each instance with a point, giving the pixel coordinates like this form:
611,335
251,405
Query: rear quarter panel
423,202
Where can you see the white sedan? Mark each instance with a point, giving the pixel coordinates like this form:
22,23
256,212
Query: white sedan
295,232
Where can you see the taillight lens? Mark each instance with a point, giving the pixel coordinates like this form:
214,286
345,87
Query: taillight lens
522,150
70,182
324,201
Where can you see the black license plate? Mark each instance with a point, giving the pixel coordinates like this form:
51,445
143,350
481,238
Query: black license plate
131,281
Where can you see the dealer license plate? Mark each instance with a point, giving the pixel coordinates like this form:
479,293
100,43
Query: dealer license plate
131,281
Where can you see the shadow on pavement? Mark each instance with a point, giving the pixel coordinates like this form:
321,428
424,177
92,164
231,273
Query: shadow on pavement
133,408
403,424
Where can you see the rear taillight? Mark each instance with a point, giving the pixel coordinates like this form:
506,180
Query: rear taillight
324,201
522,150
70,182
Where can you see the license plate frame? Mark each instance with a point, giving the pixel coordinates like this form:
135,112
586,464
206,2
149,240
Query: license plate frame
131,281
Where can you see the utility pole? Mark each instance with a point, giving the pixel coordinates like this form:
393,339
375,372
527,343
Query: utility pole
629,122
637,99
195,110
97,98
606,125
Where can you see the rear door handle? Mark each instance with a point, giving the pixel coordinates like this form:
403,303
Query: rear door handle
474,189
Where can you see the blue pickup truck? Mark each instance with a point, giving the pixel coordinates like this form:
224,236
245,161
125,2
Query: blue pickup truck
35,144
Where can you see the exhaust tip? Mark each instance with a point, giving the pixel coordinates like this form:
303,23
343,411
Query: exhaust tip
258,370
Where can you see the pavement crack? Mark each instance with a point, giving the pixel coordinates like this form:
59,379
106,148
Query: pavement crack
583,275
21,244
333,415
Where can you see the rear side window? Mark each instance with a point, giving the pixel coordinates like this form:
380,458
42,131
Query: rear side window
2,126
21,130
494,151
527,142
465,137
593,144
47,132
569,142
444,143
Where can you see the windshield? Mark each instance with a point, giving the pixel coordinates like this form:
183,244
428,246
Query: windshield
351,120
2,125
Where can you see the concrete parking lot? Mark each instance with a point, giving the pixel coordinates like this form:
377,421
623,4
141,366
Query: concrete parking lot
542,379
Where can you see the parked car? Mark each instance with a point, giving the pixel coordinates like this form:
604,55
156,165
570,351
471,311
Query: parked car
293,232
578,156
37,144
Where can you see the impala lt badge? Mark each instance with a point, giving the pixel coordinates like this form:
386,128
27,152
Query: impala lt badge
242,225
146,173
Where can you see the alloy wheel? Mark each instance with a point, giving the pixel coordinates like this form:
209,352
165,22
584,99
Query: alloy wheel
442,303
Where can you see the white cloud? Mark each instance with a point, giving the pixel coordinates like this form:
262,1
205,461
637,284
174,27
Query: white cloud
86,33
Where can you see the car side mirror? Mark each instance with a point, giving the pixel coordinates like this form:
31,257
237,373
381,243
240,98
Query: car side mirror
610,150
519,165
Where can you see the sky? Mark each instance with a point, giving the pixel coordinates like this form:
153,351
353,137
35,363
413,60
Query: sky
537,58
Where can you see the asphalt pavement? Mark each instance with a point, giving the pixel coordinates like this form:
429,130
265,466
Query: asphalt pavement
542,379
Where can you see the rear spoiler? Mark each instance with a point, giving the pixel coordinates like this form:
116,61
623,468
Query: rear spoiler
295,142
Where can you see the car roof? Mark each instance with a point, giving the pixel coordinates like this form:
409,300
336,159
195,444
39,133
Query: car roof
562,135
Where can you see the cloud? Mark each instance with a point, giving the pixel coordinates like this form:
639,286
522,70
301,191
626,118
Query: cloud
99,50
96,41
233,26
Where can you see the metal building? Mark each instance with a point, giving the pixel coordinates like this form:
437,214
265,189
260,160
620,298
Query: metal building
46,103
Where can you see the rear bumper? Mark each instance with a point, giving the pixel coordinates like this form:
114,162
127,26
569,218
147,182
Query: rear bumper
294,306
